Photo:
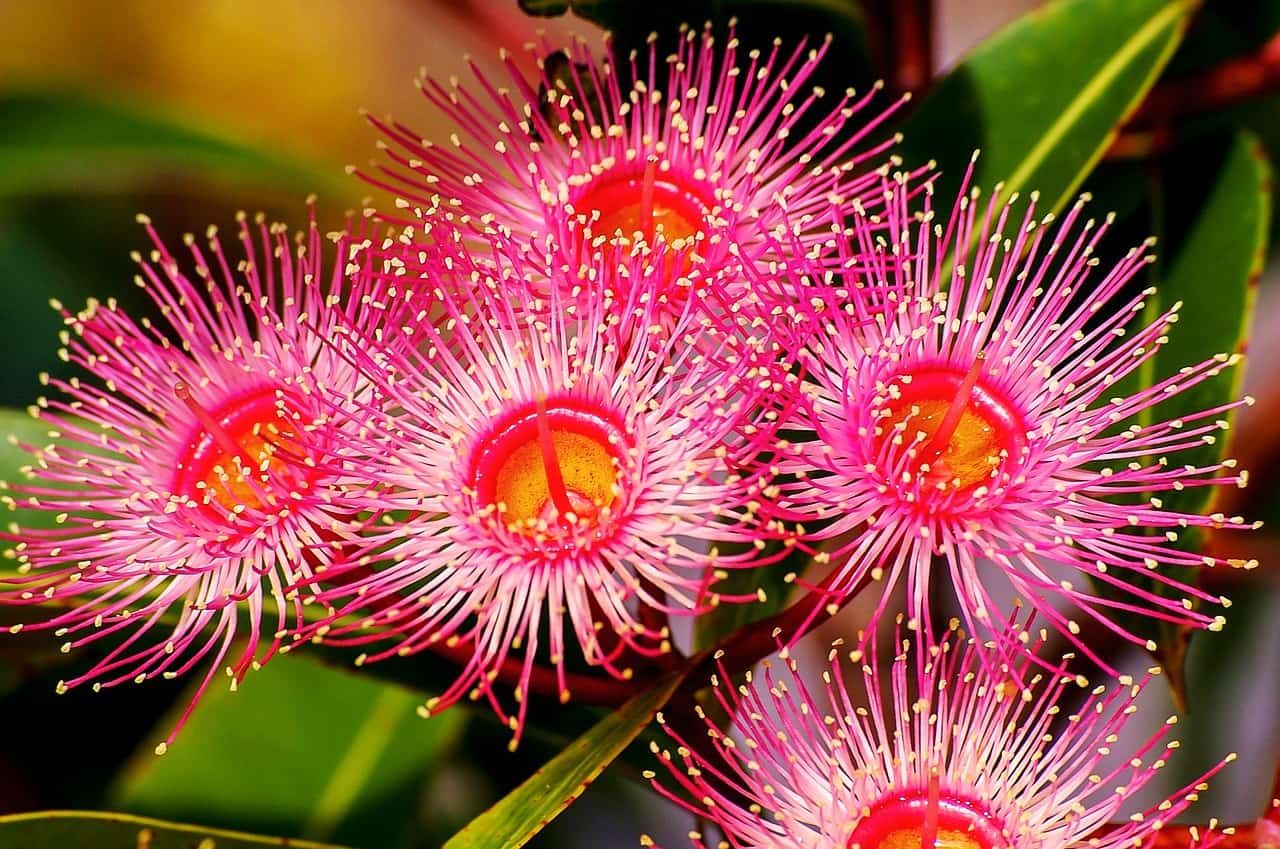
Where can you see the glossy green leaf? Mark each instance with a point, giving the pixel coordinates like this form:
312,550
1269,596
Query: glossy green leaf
17,427
1042,98
1209,205
41,258
60,141
772,584
1213,272
514,820
95,830
1231,681
299,748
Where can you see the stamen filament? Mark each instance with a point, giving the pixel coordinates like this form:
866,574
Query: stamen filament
947,427
214,428
227,443
929,831
646,196
551,463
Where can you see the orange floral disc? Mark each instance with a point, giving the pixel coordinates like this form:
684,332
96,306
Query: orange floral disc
244,455
549,461
966,433
925,819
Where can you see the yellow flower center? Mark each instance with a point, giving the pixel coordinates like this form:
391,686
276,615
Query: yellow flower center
549,465
644,202
587,475
963,433
244,454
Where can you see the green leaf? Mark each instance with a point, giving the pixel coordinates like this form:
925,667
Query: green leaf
1042,98
1214,273
74,142
1210,206
773,582
300,748
17,426
1231,676
523,813
40,260
61,829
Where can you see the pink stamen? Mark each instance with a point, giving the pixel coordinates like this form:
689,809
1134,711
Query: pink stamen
646,196
947,427
214,428
551,463
929,832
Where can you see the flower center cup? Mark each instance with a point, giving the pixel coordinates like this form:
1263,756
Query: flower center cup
245,454
965,433
927,819
549,465
630,200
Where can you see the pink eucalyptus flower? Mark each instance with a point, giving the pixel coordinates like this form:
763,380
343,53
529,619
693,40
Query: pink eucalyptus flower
948,753
194,478
706,153
573,470
977,417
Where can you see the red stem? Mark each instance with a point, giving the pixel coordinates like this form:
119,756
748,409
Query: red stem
912,38
1150,132
740,650
749,645
1230,82
543,681
900,35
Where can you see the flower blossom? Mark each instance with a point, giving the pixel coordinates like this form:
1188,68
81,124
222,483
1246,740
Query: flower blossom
949,752
571,469
193,475
978,414
704,149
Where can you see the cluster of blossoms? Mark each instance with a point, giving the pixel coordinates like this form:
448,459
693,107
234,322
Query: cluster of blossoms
652,322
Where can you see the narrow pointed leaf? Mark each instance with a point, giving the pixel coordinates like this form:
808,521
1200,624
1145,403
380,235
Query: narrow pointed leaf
299,748
17,426
513,821
1214,273
1042,98
1210,206
62,829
